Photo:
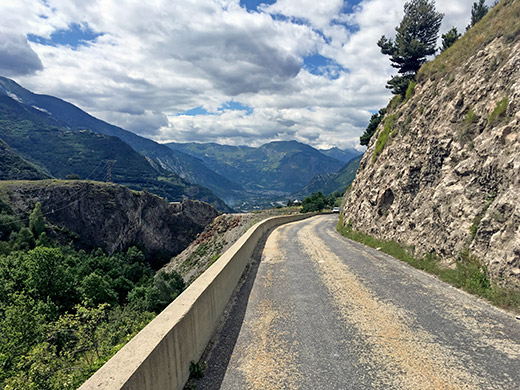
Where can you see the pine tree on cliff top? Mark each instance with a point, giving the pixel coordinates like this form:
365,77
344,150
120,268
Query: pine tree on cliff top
478,11
415,39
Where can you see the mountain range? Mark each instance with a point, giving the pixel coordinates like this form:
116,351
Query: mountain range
53,138
345,155
328,183
270,171
61,151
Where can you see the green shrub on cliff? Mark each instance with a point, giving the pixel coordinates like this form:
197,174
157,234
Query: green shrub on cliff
383,136
499,110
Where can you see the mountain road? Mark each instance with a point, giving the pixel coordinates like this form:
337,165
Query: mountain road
319,311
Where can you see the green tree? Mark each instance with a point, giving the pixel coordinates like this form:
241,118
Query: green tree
450,38
37,220
415,39
478,11
21,324
8,224
166,287
23,240
375,120
316,202
97,289
332,199
49,277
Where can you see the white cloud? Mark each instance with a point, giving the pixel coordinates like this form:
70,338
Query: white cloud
159,58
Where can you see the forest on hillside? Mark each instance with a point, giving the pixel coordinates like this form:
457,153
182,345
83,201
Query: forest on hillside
65,312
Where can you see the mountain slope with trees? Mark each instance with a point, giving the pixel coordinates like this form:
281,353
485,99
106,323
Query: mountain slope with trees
344,155
331,182
278,167
67,115
14,167
83,154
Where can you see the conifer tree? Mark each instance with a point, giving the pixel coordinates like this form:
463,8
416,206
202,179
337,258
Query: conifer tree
450,38
415,39
37,220
478,11
372,126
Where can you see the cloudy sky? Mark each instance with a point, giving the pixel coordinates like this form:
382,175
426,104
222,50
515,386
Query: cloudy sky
228,71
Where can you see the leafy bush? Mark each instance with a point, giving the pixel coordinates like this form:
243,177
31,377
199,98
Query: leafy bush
383,136
197,370
316,202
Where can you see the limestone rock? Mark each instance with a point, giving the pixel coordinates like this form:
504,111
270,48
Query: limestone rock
448,177
111,216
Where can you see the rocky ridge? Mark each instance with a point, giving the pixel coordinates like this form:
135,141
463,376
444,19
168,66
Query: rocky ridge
110,216
442,172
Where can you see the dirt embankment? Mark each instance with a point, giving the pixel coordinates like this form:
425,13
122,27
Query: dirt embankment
218,237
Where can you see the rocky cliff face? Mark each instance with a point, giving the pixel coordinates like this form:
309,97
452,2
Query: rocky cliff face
447,178
111,216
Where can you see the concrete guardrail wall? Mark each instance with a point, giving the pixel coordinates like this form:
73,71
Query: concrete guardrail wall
159,356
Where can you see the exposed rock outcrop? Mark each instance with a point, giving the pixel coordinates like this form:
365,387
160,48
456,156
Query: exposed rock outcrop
111,216
448,177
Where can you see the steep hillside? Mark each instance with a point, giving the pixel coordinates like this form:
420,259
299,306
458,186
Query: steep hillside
331,182
70,116
442,172
344,155
275,168
14,167
110,216
63,152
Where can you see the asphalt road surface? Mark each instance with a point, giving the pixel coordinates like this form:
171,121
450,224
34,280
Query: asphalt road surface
319,311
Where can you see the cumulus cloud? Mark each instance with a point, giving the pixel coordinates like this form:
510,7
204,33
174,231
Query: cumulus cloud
152,61
16,56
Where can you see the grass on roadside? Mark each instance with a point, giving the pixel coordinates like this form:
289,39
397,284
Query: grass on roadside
468,273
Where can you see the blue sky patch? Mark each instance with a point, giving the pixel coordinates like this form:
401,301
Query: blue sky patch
236,106
252,5
76,35
349,6
194,112
322,66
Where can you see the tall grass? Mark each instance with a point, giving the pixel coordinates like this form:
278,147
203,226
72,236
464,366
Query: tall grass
503,21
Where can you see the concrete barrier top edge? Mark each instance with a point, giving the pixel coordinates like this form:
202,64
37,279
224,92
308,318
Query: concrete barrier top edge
136,351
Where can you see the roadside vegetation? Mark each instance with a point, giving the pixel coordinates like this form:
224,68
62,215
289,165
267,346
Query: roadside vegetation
65,312
467,273
318,202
